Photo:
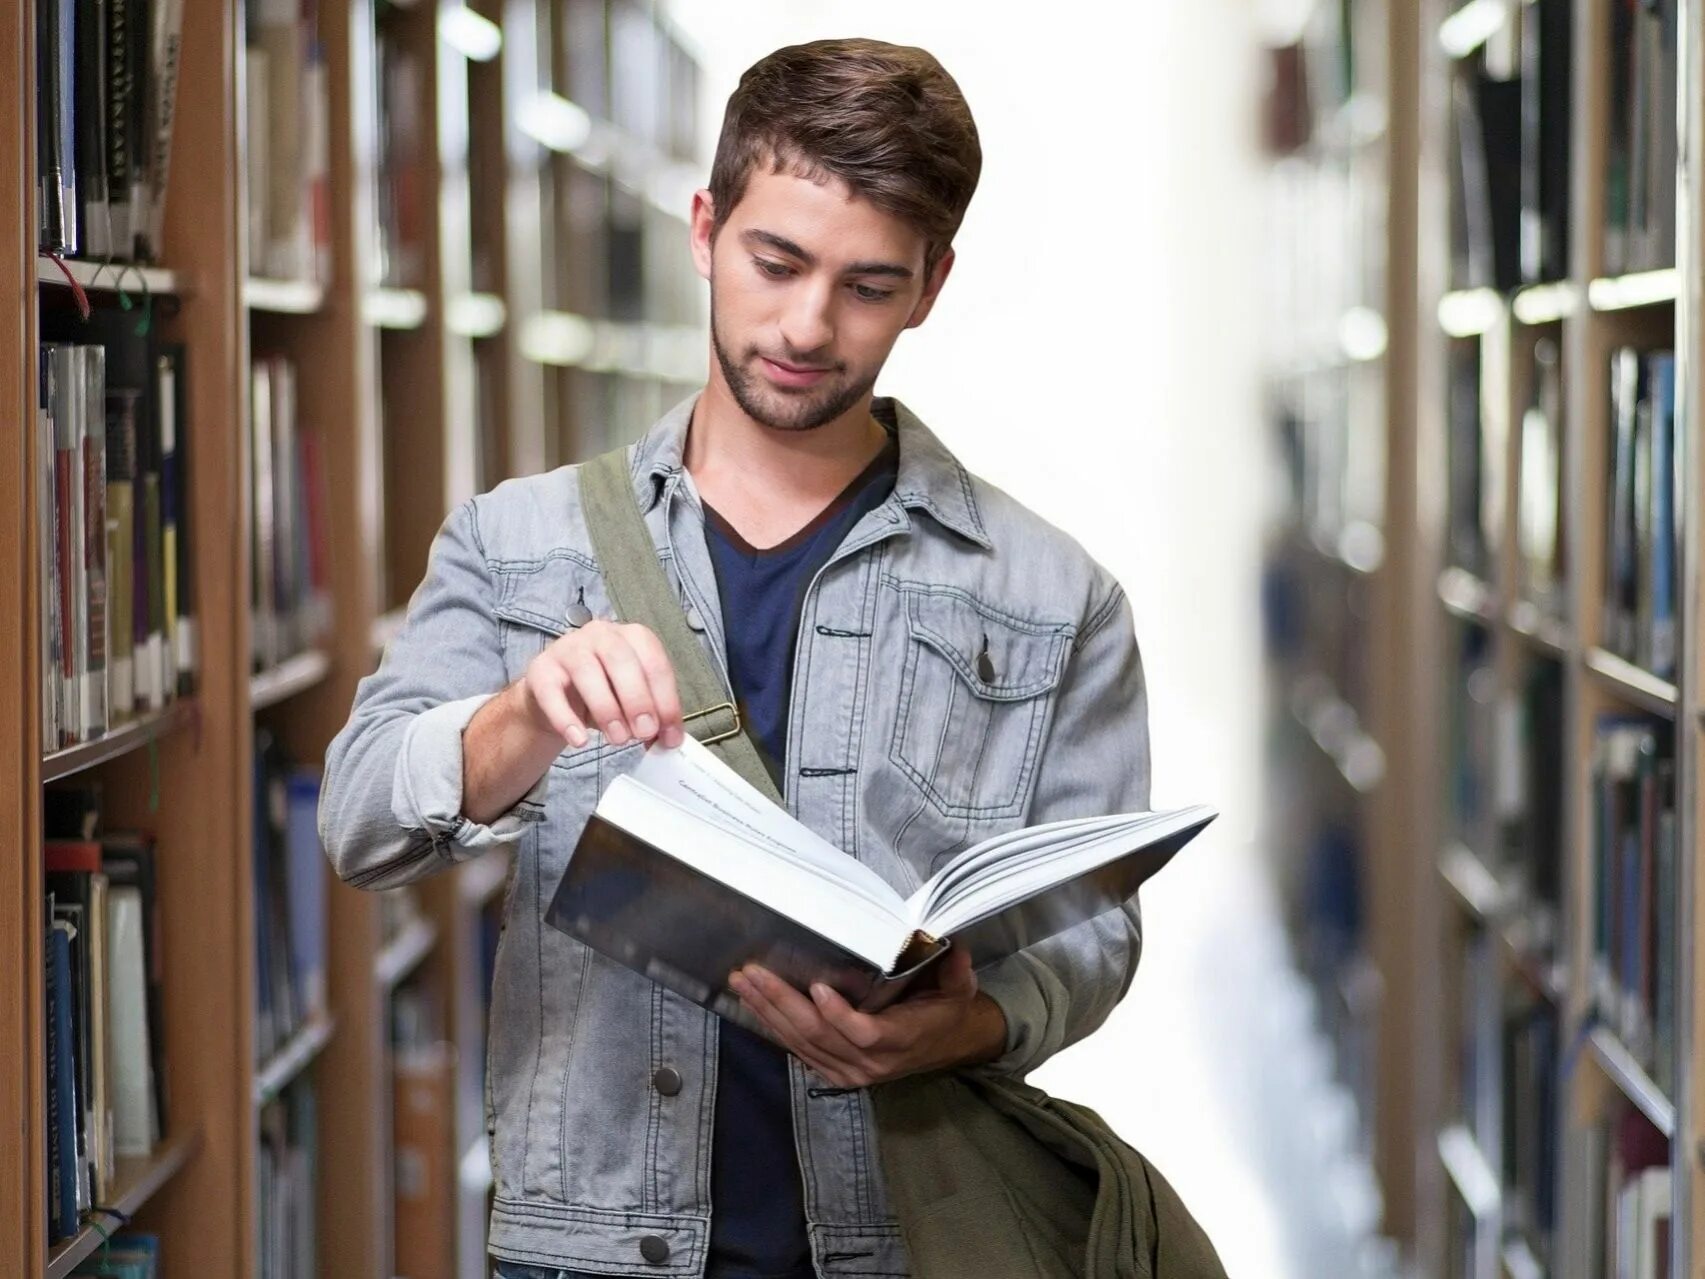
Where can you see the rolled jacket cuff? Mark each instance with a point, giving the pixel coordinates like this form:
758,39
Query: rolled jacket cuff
426,789
1014,988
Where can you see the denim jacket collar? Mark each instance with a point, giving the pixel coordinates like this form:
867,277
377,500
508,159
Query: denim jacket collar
930,478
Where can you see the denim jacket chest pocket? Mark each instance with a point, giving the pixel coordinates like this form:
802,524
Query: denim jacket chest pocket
540,601
976,692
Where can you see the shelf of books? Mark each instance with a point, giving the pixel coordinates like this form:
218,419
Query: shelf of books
1558,435
1340,133
275,286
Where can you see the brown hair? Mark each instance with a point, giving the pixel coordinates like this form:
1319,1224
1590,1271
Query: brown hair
885,119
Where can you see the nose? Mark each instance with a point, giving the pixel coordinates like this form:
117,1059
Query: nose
806,325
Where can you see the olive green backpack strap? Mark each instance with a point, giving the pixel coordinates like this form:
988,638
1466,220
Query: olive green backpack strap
641,593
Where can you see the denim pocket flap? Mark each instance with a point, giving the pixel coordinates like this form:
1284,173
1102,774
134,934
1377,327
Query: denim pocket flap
999,657
554,595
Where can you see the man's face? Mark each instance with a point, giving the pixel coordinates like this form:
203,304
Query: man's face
810,287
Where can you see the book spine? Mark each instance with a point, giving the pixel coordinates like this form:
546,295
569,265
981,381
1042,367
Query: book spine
56,136
119,88
121,530
162,107
47,533
261,479
73,389
95,721
91,126
140,28
154,553
62,1087
175,450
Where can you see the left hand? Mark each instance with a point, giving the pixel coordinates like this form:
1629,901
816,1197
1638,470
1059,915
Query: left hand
949,1024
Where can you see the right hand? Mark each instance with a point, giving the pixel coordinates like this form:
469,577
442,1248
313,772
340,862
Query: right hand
612,676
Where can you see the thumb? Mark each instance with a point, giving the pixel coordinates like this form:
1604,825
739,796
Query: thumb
958,980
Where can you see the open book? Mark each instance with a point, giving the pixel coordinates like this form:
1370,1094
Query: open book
686,871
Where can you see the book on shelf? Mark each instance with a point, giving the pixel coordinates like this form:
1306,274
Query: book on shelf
402,191
1531,1121
1547,51
123,1256
1630,1189
1469,533
1479,1012
291,578
1531,768
1640,154
1642,549
287,110
1542,565
1485,197
63,1158
289,898
107,73
685,872
1471,740
286,1164
105,1056
1634,888
118,631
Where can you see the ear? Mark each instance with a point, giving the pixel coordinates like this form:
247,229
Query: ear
932,290
703,230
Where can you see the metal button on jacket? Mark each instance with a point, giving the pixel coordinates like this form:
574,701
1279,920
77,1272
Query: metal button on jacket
667,1080
654,1250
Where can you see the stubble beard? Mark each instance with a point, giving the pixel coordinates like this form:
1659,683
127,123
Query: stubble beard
803,410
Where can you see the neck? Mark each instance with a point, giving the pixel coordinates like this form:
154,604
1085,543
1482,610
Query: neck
738,462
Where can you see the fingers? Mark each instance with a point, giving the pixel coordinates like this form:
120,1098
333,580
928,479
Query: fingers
659,675
794,1021
622,680
549,690
861,1030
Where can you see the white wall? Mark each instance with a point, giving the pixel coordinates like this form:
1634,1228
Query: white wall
1094,353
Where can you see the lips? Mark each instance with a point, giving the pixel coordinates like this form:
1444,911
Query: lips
790,375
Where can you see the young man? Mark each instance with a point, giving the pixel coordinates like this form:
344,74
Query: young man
923,662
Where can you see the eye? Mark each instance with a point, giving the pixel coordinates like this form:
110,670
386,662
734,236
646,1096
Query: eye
775,270
869,293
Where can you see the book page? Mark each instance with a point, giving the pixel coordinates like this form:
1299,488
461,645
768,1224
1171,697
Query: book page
786,884
987,878
692,778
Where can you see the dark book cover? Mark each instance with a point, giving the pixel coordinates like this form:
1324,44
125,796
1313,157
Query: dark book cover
1546,72
91,127
638,905
61,1088
56,129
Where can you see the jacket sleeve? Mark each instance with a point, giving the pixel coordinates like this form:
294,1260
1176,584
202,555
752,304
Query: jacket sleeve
391,799
1095,760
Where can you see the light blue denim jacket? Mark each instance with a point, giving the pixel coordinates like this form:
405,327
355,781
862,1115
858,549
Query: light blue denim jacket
903,747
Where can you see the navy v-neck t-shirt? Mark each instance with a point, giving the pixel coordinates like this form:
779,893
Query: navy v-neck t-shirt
757,1204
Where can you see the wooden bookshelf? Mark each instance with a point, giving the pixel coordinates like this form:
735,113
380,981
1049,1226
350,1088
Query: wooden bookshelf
420,394
1443,693
1476,642
138,1179
60,764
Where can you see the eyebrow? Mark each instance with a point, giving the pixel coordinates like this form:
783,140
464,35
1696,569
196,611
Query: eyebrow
784,245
